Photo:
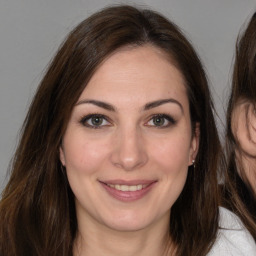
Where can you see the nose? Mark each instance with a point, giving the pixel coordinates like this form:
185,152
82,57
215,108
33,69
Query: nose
129,151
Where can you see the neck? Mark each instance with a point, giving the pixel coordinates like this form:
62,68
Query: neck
96,239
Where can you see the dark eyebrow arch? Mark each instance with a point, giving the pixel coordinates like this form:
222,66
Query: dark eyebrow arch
157,103
97,103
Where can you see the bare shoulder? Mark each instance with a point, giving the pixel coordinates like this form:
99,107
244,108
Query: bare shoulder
233,238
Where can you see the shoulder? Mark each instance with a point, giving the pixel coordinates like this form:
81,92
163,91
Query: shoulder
232,239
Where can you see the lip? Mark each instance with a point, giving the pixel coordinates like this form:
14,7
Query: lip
128,196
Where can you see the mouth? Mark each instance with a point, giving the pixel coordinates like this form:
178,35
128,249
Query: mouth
127,191
128,188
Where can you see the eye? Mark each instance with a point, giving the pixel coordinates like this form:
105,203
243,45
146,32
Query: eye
161,121
95,121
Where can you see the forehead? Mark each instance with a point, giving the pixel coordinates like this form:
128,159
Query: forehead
144,72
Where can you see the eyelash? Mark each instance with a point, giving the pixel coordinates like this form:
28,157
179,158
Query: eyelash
171,121
84,121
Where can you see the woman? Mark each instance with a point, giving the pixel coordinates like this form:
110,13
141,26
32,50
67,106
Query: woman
241,130
119,149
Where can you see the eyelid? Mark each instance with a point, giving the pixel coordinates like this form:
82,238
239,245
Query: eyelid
84,120
169,118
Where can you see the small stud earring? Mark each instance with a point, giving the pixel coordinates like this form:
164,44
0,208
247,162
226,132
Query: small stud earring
193,162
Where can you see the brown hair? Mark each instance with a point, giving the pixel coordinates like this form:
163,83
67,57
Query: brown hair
37,208
240,197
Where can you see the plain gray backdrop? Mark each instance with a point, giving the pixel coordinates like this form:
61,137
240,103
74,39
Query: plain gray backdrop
31,31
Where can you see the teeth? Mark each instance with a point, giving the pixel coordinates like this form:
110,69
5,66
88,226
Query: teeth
127,188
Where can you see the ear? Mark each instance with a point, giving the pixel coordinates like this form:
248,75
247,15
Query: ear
243,125
62,156
194,144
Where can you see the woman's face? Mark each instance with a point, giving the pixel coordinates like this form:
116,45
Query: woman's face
129,143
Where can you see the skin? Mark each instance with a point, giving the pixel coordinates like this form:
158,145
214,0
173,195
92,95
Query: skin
244,130
129,144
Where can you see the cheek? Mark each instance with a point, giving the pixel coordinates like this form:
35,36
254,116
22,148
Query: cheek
172,153
83,155
240,132
171,160
239,127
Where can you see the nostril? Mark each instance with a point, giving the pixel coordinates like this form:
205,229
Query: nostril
129,160
128,151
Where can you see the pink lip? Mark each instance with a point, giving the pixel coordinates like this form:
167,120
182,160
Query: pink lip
128,196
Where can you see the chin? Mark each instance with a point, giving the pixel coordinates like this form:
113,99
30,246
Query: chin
127,222
131,221
127,226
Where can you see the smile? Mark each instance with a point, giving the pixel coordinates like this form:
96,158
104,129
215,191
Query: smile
128,188
128,191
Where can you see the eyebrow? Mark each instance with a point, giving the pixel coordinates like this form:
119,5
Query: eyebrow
148,106
100,104
157,103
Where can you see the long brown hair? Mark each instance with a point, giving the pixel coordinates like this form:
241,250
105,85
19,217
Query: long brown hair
37,208
240,197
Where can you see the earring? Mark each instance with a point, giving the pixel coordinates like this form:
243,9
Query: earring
193,163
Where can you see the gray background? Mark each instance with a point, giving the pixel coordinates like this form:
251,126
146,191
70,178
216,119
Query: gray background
31,31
